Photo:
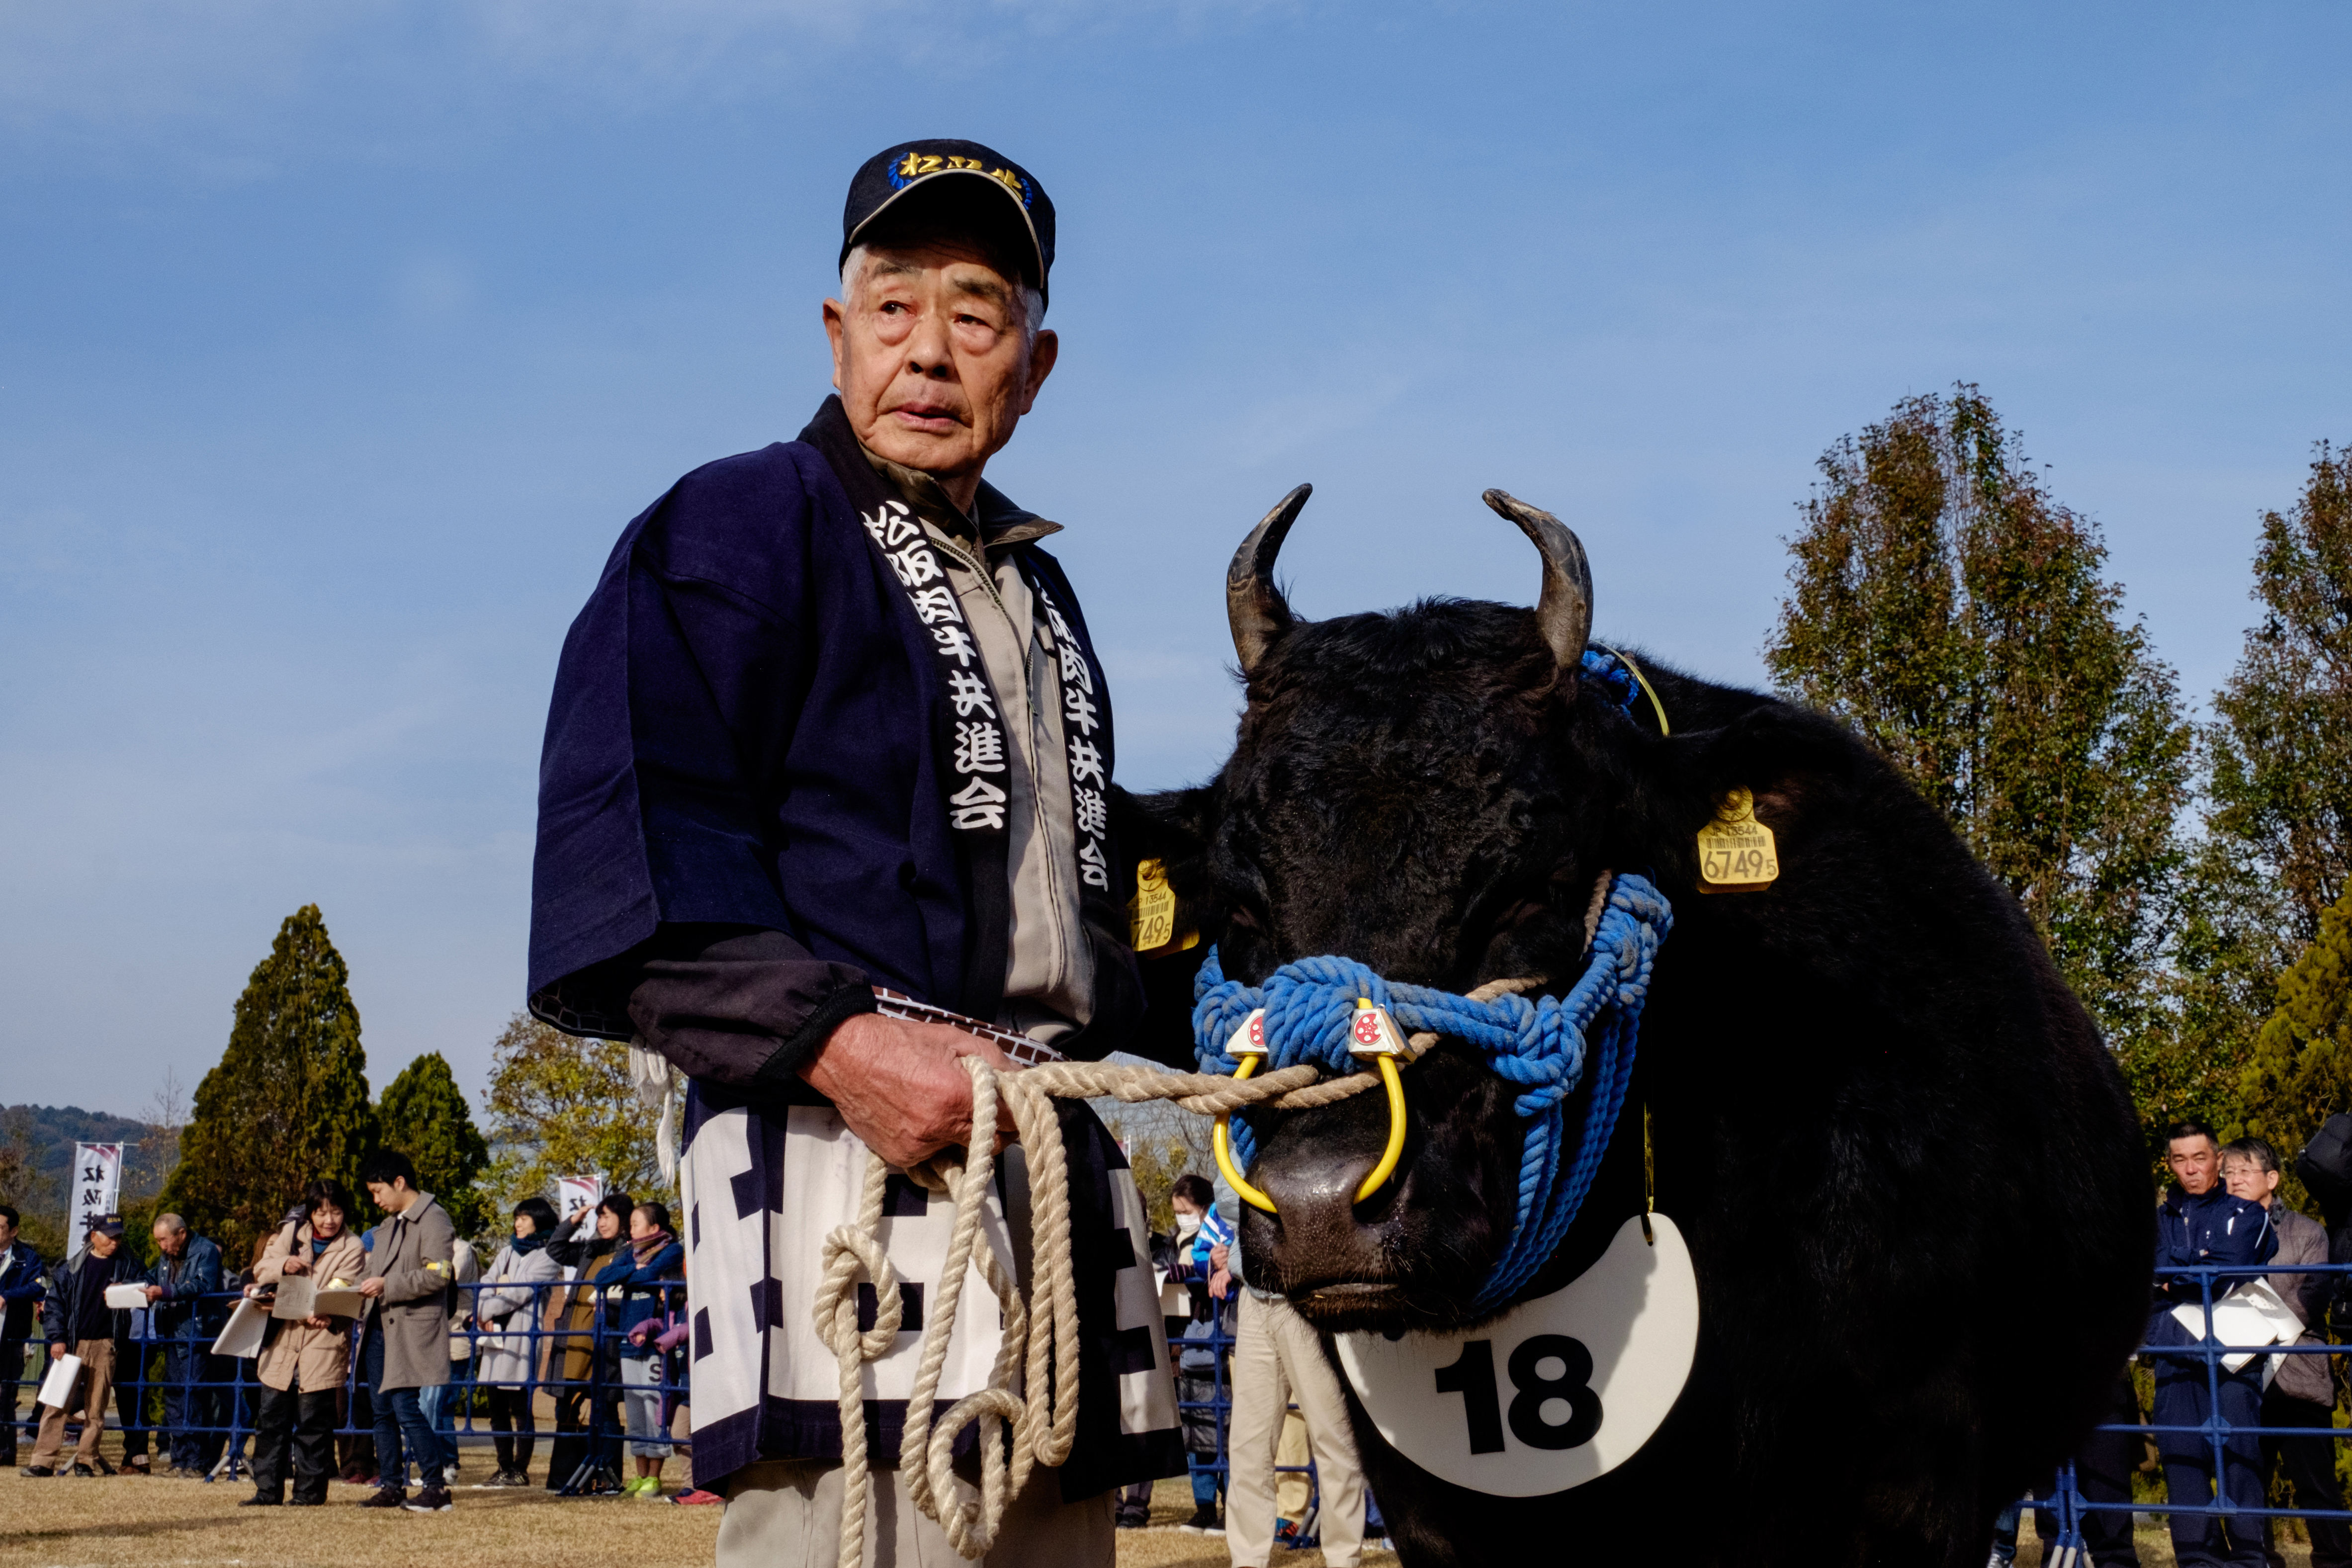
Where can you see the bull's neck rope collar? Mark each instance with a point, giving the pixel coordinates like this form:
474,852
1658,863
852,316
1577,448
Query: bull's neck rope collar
1543,1047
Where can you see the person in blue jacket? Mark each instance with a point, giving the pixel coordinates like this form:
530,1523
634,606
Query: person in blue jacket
188,1269
646,1288
2199,1225
1203,1242
23,1283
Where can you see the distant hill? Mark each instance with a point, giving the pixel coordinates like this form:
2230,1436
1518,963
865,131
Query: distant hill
47,1135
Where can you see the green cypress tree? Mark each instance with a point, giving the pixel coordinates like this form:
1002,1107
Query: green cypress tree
424,1114
2302,1070
289,1102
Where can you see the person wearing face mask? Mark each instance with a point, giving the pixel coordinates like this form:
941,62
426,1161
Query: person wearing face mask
1203,1240
302,1366
586,1457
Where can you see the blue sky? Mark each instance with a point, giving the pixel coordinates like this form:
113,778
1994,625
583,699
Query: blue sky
338,344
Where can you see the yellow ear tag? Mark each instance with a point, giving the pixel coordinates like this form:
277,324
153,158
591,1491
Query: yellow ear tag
1151,914
1734,851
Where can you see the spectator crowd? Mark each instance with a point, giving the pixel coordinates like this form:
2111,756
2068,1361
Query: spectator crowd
355,1355
359,1356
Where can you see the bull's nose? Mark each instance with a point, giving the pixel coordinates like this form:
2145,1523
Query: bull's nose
1315,1208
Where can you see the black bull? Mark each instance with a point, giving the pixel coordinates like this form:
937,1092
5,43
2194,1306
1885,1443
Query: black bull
1905,1165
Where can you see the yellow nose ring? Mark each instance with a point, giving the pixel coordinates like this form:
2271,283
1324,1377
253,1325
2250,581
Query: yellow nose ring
1373,1034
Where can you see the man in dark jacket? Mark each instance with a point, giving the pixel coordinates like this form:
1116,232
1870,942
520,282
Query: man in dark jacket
76,1320
23,1283
831,720
2200,1225
187,1269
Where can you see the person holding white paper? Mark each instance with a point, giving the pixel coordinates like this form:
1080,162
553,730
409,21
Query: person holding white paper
76,1318
2302,1393
302,1366
2200,1223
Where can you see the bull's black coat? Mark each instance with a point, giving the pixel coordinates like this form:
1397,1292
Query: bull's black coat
1906,1164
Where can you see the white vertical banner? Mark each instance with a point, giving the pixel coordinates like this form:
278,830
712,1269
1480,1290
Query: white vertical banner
573,1193
96,1183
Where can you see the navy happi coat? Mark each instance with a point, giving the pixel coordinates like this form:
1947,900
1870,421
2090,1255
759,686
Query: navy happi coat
745,735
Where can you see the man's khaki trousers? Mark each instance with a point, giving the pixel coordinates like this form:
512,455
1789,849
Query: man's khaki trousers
786,1513
1278,1359
97,1384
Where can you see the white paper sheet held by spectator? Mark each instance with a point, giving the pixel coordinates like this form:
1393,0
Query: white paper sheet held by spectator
241,1335
2253,1314
123,1298
58,1386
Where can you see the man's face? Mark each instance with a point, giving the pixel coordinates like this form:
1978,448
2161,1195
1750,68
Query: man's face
102,1245
2195,1164
2247,1180
930,359
172,1242
7,1232
391,1197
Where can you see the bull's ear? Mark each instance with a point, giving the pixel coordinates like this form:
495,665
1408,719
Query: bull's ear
1172,826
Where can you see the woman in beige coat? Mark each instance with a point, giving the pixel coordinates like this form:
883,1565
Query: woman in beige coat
305,1361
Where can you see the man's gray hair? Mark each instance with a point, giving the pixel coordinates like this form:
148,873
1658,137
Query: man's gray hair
1033,303
2265,1157
171,1223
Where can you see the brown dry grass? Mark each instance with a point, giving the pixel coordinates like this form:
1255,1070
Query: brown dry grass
142,1522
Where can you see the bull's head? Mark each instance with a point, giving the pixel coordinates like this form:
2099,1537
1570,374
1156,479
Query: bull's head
1429,791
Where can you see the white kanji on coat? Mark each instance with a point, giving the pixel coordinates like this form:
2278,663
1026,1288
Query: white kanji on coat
978,803
980,747
1085,762
936,604
969,694
955,643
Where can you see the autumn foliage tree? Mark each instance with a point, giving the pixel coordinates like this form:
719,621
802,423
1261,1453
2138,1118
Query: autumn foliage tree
562,1107
2281,743
1946,605
287,1103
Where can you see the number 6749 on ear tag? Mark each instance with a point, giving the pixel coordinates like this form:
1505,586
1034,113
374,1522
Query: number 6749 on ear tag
1557,1392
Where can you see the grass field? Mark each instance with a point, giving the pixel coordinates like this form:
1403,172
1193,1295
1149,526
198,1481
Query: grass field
149,1522
142,1522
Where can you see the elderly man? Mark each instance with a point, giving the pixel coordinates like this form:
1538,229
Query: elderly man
77,1321
187,1269
2302,1393
832,721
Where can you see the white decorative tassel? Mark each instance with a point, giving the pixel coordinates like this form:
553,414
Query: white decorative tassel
649,1075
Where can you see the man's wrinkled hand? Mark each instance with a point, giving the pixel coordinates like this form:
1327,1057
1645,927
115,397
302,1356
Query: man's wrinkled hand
899,1086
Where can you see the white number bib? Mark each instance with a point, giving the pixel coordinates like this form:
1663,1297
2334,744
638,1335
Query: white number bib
1556,1392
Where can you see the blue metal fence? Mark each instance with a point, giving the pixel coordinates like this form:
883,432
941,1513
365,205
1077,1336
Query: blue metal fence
213,1397
171,1387
2070,1508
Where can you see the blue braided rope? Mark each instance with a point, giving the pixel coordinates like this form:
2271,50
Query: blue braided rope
1542,1047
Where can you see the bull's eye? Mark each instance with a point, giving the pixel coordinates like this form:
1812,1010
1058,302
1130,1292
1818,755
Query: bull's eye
1242,918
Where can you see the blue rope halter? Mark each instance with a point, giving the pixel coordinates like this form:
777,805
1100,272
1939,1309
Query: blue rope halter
1542,1046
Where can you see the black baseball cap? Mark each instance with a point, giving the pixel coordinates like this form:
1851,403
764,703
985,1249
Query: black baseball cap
108,1225
889,181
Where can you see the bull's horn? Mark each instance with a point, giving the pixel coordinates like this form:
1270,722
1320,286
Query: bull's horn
1252,602
1565,611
